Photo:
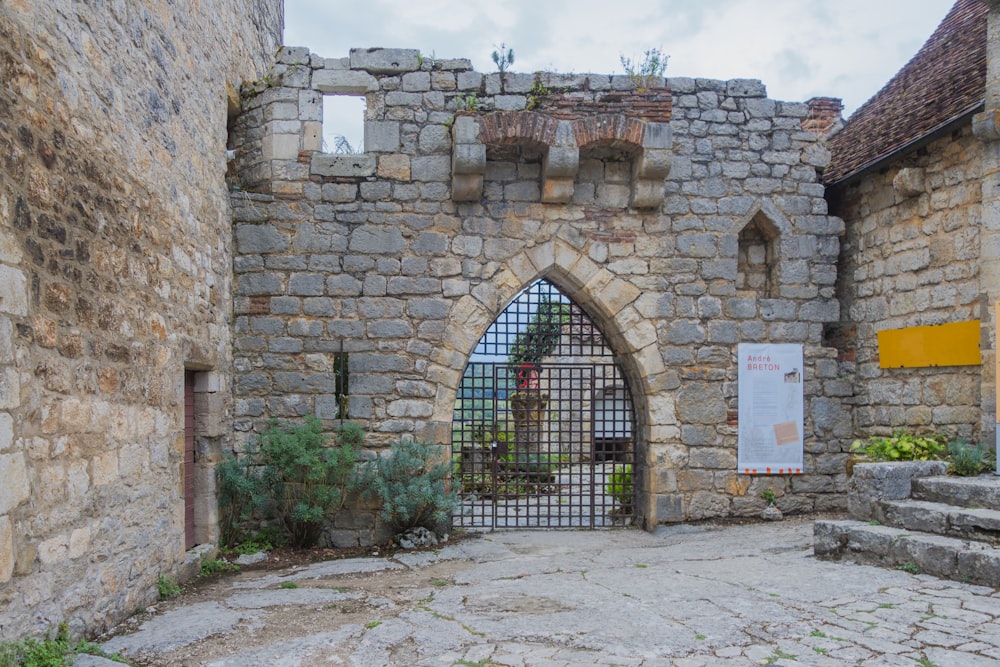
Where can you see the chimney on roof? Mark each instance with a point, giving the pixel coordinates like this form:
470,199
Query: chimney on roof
824,119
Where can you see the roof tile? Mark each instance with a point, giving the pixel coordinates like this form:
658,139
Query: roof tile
946,79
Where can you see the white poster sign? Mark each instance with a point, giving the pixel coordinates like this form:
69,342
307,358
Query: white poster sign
770,409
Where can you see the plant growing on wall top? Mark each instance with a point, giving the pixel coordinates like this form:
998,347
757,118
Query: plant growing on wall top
503,57
645,72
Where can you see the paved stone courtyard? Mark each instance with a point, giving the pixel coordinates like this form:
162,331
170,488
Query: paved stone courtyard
686,595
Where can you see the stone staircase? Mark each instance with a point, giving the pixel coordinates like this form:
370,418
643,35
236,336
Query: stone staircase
912,516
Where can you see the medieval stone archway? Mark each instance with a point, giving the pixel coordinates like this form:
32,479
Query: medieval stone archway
544,431
606,301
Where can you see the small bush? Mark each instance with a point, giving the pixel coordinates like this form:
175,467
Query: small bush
645,72
241,492
410,484
210,567
901,446
252,546
290,472
619,486
56,651
167,587
969,459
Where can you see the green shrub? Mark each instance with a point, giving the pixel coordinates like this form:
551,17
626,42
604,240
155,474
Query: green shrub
252,545
210,567
240,491
56,651
619,486
167,587
901,446
968,459
411,485
307,479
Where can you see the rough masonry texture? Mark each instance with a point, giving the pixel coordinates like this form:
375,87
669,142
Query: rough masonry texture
115,277
912,252
684,219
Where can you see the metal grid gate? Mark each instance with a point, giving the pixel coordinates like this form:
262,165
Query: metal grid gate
542,430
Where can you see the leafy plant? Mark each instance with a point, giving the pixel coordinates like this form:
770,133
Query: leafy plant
969,459
619,486
410,484
901,446
538,339
252,546
305,477
468,103
288,585
241,492
503,57
535,94
167,587
52,651
645,72
210,567
768,496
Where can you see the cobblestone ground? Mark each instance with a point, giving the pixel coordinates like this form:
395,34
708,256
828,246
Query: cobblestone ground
688,596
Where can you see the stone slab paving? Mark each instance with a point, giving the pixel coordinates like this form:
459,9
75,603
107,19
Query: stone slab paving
691,596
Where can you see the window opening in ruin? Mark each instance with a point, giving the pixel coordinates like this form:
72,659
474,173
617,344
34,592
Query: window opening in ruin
344,123
756,269
341,379
542,432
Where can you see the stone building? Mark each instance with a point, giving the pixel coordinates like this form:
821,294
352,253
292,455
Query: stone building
913,177
683,219
115,293
157,308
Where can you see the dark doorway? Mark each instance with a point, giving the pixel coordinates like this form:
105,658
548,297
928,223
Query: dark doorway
187,469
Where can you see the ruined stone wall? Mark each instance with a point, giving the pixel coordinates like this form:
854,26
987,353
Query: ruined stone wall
471,187
115,276
911,257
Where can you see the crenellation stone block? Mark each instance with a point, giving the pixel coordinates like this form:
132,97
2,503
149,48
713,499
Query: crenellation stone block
343,82
385,61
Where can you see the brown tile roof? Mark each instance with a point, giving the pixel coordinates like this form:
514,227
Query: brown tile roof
947,78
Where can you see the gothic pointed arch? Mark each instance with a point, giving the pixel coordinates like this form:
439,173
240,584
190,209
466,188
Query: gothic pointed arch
757,261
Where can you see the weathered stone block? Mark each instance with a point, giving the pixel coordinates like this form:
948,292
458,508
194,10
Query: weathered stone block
872,482
15,488
13,291
252,239
10,388
343,82
6,431
395,167
385,61
6,550
343,165
381,136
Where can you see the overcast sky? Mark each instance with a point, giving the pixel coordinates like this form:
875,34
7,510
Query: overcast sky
798,48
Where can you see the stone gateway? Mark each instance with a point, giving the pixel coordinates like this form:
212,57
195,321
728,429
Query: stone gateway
182,259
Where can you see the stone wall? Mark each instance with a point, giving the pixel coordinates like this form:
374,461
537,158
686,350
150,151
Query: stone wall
115,277
650,215
911,257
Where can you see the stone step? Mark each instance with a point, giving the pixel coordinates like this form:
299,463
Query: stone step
942,519
974,492
953,558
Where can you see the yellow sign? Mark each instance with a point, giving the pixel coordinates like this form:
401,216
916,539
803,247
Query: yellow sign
954,344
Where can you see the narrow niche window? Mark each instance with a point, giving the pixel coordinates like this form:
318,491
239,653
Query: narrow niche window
756,269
